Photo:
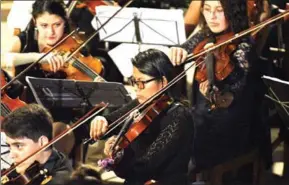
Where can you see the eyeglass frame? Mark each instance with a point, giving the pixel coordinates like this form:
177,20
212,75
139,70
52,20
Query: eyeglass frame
134,82
215,12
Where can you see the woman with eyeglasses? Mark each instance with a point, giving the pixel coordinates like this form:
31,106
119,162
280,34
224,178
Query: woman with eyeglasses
225,132
162,151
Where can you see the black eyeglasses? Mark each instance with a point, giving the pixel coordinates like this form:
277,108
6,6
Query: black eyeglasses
140,84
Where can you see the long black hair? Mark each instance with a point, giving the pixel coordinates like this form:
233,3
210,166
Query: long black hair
236,14
156,64
39,7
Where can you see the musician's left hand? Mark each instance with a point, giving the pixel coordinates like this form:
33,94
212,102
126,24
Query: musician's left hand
204,88
108,146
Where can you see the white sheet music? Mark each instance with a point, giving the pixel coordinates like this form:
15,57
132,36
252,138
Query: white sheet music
5,148
275,79
157,26
123,53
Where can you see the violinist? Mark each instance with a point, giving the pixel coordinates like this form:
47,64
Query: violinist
47,27
49,24
28,129
224,132
162,151
258,11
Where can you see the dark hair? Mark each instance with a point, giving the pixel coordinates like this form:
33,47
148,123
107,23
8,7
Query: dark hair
236,14
31,121
156,64
39,7
56,7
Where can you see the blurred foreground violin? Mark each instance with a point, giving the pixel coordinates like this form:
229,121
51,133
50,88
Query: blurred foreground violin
34,174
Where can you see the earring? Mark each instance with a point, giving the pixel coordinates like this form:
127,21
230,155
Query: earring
35,33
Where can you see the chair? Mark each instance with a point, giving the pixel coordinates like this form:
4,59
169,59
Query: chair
214,175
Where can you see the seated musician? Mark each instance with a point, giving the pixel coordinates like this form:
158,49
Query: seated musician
258,11
28,129
162,151
49,25
234,127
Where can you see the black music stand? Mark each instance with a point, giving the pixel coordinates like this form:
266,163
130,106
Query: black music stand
62,93
279,93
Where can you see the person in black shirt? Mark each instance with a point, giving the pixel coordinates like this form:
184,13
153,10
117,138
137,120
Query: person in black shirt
162,151
225,132
28,129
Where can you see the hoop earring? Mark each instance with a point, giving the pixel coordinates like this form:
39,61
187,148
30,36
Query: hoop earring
35,33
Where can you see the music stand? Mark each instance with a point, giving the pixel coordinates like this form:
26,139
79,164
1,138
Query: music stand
154,26
63,93
278,92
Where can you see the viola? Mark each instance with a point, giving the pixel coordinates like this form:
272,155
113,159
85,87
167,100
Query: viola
8,104
79,67
34,174
143,119
223,66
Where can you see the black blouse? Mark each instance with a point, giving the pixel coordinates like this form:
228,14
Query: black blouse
162,151
224,133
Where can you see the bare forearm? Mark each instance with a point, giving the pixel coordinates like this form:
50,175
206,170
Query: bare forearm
16,59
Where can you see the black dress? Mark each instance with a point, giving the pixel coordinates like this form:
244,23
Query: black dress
162,151
224,133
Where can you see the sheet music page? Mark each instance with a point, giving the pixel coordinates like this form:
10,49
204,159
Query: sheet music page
123,53
275,79
157,26
4,149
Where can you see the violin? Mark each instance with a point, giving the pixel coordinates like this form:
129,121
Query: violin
34,174
223,66
8,104
78,67
91,4
141,120
218,70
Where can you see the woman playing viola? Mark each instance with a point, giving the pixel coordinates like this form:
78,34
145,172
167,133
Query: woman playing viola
224,133
162,151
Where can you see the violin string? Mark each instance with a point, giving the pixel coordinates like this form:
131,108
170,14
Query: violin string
85,69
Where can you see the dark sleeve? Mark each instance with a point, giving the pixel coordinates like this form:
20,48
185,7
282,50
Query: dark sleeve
242,57
22,36
192,42
176,131
121,111
117,114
